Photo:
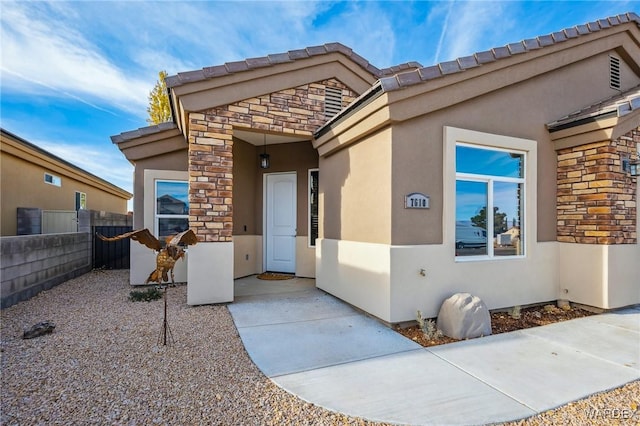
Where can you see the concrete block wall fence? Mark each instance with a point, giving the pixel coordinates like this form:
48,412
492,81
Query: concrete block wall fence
33,263
30,264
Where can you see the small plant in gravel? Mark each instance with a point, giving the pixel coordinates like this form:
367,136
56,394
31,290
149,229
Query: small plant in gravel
428,327
515,312
147,295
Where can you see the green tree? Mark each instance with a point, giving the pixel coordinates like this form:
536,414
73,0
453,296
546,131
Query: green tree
499,220
158,108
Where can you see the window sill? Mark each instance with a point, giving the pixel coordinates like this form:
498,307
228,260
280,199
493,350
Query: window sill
464,259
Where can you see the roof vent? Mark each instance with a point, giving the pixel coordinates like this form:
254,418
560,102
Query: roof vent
614,73
332,101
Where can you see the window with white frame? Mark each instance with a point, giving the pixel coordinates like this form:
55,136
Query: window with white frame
314,175
52,179
171,207
489,201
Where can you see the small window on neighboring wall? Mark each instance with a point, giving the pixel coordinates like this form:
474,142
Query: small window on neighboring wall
172,207
81,201
52,179
313,206
614,73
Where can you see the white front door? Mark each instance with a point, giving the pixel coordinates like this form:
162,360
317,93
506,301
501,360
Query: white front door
280,222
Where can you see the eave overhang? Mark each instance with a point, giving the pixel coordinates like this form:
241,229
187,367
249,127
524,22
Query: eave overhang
205,89
20,148
605,127
605,120
151,141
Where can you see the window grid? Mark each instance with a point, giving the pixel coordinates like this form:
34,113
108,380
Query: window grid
490,181
180,220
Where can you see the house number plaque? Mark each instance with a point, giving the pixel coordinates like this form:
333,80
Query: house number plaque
416,200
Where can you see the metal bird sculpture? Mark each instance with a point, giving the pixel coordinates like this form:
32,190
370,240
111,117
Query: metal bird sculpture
167,256
165,261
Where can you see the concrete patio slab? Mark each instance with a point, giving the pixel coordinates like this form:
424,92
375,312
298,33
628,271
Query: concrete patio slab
626,318
413,387
541,373
253,286
332,355
298,346
579,335
295,306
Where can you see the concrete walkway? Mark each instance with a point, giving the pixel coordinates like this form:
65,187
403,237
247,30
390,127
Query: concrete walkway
324,351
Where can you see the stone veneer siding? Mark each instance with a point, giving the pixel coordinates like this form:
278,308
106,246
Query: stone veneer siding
295,111
596,201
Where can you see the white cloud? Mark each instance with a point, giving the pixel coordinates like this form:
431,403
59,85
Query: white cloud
40,56
475,26
109,165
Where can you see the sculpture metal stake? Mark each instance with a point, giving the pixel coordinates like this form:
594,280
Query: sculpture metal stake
166,330
165,262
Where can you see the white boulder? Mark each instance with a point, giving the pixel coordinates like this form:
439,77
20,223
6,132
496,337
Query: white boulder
463,316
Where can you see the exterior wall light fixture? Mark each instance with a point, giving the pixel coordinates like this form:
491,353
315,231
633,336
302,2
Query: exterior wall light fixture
264,157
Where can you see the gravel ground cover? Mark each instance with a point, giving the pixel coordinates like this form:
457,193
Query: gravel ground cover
103,365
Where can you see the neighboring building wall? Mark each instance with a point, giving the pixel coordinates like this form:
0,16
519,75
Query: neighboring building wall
24,166
33,263
596,198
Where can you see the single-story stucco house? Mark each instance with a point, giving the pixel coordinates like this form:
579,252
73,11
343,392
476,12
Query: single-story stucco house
377,182
42,193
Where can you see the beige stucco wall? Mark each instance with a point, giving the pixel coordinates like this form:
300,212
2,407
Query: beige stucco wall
358,273
305,258
174,161
604,276
521,111
355,184
16,174
143,259
247,255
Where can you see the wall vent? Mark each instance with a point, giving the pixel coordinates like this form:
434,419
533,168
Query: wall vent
614,73
332,101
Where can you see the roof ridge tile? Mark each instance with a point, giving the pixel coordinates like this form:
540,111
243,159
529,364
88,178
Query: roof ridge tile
531,44
431,72
511,49
316,50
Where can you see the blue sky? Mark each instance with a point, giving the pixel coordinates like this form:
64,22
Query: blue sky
75,73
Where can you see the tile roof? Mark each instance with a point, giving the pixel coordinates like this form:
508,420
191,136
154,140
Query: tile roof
618,106
280,58
143,131
419,75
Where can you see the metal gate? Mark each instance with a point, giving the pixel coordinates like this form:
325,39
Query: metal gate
111,254
59,221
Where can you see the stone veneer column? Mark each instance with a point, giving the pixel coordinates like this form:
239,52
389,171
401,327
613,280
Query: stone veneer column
596,200
210,177
210,265
298,111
